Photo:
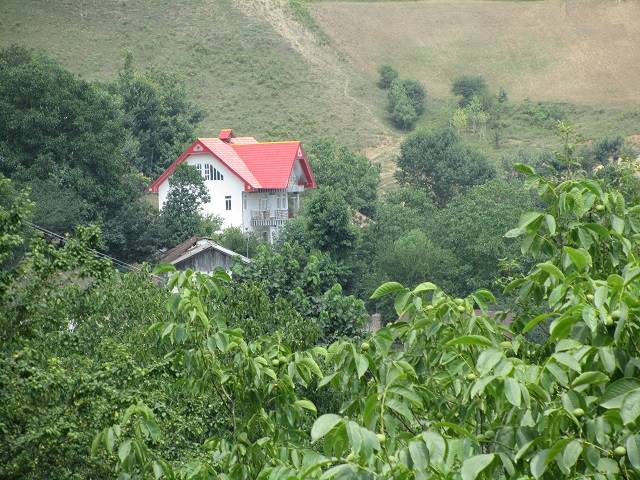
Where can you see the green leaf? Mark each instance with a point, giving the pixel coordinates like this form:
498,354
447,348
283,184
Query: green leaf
424,287
488,359
551,223
579,257
539,463
552,270
589,378
633,451
526,169
470,340
164,268
617,224
123,450
512,391
306,404
616,391
386,289
419,454
571,453
536,320
528,218
472,467
362,365
323,425
630,407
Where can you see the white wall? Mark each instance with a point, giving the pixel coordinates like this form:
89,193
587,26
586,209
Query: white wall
218,190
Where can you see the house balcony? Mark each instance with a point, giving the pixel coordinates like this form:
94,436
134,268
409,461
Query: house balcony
269,218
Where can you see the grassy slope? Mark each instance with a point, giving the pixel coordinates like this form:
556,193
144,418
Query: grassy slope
249,68
236,66
579,52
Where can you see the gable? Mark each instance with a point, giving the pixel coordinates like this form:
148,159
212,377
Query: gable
266,165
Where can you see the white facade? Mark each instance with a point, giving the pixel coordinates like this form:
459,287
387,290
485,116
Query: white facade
263,212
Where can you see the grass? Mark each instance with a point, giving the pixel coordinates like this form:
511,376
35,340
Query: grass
236,66
251,70
578,52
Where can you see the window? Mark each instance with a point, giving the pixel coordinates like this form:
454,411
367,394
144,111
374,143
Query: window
244,201
264,203
210,173
227,202
199,167
282,201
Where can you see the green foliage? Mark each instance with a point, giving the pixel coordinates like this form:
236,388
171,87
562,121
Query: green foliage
347,172
472,226
65,132
181,211
235,239
439,163
387,75
329,222
414,258
311,283
247,306
158,115
416,93
469,86
544,114
448,391
405,102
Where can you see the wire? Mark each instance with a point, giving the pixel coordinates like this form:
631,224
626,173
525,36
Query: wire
115,261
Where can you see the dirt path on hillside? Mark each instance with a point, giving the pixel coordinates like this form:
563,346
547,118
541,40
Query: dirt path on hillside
324,57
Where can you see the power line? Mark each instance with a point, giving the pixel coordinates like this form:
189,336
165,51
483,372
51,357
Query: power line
99,254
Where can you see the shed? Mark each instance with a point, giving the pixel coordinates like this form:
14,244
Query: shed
202,254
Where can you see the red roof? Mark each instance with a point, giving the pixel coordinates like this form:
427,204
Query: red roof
261,165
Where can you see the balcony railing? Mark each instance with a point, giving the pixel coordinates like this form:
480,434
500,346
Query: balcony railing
269,217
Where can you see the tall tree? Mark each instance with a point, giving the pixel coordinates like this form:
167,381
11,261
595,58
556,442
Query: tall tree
348,172
66,137
329,223
440,164
181,211
158,113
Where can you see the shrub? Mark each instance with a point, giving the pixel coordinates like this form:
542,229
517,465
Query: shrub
469,86
387,75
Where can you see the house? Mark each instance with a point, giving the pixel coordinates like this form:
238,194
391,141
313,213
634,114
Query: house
252,185
202,255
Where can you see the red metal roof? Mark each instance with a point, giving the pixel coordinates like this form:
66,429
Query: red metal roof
265,165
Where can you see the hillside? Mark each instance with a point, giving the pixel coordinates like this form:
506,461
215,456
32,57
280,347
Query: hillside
582,52
305,70
238,67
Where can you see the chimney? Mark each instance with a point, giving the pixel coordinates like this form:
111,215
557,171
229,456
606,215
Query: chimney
226,134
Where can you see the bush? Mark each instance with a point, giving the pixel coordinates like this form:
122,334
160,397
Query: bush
469,86
387,75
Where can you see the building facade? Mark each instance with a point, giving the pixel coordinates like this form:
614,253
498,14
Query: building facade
252,185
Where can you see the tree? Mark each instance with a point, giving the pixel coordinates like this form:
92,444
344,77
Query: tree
158,114
403,113
66,135
233,238
469,86
387,75
414,258
472,226
181,211
329,223
441,165
447,391
347,172
416,93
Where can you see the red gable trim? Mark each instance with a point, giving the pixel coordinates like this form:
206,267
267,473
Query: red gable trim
196,148
306,168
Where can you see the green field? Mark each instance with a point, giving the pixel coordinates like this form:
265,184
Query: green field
291,69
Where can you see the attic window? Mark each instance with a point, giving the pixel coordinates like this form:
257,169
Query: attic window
211,173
